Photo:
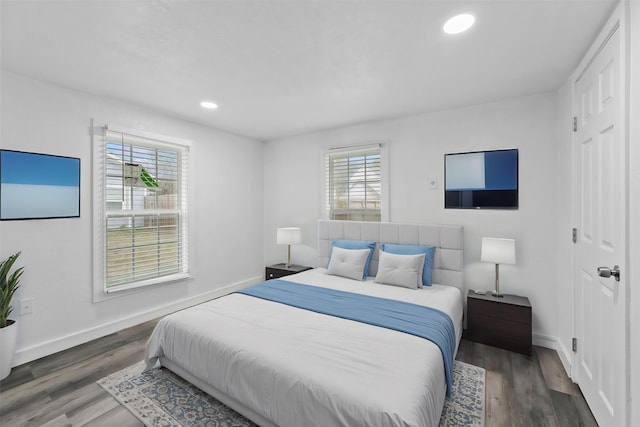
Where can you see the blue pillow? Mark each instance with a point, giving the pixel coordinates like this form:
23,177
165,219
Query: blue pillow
428,251
356,244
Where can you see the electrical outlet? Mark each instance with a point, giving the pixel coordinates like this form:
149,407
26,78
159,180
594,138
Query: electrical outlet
26,306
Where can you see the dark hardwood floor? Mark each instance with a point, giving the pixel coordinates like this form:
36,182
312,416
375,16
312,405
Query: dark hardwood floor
527,390
61,389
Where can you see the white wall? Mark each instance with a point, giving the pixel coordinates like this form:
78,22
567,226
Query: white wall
226,234
417,144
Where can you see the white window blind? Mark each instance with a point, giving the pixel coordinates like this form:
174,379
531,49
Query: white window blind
354,183
145,211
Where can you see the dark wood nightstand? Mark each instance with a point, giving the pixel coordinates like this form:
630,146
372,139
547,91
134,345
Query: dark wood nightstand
503,322
281,270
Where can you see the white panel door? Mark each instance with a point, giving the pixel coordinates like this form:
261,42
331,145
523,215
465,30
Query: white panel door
601,311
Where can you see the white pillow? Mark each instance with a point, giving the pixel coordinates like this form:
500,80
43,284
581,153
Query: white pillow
348,262
400,270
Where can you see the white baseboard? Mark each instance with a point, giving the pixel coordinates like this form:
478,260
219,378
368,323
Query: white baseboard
47,348
545,341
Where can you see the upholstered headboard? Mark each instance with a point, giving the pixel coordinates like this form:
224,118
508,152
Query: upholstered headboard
448,239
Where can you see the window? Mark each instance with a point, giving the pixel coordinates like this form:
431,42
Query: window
354,185
143,207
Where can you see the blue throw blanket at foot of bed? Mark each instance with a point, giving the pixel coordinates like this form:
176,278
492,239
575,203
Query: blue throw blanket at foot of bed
425,322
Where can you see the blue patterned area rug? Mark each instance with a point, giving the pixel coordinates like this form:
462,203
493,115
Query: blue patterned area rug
161,398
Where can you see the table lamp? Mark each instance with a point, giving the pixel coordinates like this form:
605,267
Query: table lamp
498,251
289,236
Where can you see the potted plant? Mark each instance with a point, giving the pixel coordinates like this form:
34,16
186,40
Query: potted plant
9,283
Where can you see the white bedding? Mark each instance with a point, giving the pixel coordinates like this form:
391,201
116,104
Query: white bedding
299,368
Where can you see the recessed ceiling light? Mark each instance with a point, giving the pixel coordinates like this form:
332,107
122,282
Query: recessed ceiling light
208,104
458,23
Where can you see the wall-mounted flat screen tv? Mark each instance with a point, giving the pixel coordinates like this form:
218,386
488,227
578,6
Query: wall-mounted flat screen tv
38,186
481,180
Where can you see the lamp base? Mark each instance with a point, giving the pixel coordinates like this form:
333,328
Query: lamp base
497,293
288,263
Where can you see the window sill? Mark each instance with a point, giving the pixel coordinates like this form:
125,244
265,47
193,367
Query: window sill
148,282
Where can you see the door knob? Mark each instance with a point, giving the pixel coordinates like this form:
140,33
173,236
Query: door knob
608,272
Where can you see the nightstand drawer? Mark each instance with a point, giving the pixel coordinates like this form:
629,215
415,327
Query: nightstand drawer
511,336
280,270
499,311
274,273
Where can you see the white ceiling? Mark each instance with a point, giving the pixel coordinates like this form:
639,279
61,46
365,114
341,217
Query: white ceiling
281,68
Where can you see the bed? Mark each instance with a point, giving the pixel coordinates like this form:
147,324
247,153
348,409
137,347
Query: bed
280,365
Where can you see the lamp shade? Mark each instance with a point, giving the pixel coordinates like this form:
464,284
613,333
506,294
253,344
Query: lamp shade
289,236
498,250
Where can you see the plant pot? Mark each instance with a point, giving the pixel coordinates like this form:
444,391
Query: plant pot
8,340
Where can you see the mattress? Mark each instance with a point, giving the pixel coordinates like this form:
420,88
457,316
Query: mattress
285,366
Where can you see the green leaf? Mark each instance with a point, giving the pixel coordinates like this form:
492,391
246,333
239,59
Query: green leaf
148,180
9,284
